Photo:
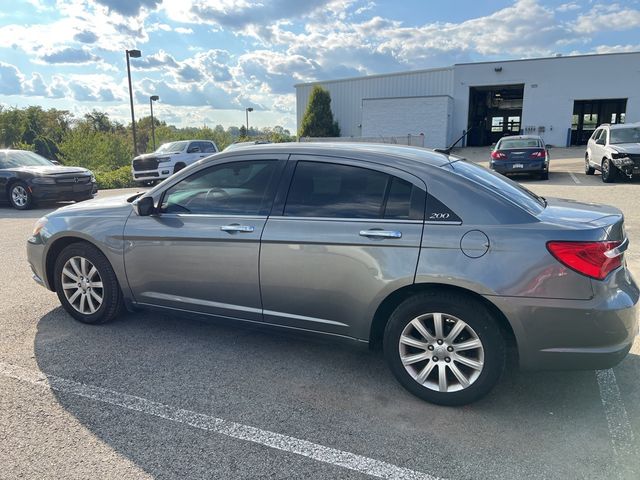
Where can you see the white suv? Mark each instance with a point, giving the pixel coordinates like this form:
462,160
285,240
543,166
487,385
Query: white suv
169,159
614,150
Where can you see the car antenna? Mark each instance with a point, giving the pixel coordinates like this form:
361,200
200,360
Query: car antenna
447,151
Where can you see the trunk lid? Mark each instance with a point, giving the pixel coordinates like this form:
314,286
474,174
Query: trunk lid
580,215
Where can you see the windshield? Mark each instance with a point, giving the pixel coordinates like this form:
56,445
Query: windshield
500,185
518,143
172,147
624,135
20,158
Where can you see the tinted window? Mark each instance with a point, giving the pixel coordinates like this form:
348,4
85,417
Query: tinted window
501,185
404,201
343,191
239,188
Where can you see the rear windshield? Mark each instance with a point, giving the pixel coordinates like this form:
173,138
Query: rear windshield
518,143
624,135
500,185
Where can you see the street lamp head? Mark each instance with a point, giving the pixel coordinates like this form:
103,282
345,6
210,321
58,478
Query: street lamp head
134,53
249,109
155,98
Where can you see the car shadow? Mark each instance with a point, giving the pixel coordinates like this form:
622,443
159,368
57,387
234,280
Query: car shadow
311,388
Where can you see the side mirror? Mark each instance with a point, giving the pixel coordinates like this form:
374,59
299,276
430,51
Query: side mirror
144,206
55,162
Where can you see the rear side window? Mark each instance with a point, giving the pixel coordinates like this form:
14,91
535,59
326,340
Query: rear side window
500,185
343,191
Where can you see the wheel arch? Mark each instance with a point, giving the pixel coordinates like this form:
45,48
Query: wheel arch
391,302
54,250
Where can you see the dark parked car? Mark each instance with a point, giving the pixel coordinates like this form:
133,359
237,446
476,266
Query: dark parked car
441,260
521,154
27,178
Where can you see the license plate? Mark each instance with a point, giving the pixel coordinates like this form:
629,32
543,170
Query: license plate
518,165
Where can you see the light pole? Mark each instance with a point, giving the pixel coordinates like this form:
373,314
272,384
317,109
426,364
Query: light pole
132,54
153,98
247,110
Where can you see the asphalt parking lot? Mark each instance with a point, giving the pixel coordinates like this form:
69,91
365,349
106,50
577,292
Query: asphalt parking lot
161,396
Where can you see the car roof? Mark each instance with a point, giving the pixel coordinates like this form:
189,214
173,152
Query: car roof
522,137
401,153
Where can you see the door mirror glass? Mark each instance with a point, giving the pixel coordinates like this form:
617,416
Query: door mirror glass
144,206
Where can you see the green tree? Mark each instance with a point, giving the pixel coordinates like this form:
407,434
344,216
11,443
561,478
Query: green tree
318,118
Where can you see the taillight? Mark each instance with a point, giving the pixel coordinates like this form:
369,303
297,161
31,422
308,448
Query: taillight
498,155
593,259
538,154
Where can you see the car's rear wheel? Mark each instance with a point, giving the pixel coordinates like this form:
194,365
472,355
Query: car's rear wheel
20,197
609,172
178,167
87,285
444,347
544,175
588,169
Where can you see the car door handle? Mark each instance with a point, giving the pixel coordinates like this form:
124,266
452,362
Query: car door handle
238,228
381,233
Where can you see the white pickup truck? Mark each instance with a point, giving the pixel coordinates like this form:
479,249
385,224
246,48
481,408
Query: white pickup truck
169,159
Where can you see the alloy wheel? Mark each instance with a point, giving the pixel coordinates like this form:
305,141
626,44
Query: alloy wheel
19,196
441,352
82,285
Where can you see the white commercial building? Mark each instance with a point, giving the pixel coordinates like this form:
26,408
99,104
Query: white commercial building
563,99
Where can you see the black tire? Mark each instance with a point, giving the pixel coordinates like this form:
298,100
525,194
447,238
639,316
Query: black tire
471,312
544,175
20,197
588,169
609,171
112,301
178,167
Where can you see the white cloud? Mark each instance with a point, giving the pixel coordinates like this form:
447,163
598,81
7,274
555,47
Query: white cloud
609,17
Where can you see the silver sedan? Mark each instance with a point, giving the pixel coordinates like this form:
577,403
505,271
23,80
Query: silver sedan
442,262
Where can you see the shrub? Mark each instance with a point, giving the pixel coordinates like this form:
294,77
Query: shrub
120,178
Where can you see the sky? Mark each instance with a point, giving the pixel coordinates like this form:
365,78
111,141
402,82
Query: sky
208,60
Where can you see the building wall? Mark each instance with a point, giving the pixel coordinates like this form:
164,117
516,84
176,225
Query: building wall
347,95
387,117
550,87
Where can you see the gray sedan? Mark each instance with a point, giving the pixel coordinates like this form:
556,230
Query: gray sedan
444,263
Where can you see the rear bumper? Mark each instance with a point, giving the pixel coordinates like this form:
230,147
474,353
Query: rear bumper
556,334
59,193
527,166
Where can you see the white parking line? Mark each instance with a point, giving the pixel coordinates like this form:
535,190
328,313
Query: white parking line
332,456
575,179
617,418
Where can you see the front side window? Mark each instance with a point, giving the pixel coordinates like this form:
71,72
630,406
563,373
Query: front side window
343,191
239,188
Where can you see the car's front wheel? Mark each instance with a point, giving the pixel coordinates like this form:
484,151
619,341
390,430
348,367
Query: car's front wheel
444,347
609,171
87,285
20,196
